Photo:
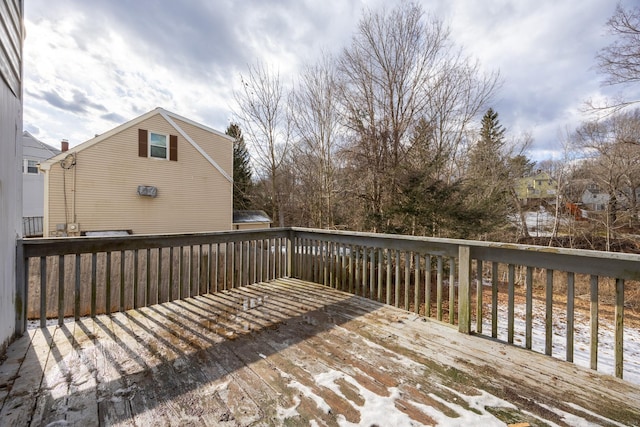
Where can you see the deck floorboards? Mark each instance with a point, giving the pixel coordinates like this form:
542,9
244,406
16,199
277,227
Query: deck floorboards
290,352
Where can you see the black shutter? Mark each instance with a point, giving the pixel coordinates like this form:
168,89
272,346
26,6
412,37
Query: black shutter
173,148
143,140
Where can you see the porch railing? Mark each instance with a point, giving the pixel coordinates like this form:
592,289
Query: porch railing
509,292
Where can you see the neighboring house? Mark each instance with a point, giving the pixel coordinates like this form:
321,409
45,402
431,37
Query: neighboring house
594,198
246,220
536,187
33,153
158,173
11,36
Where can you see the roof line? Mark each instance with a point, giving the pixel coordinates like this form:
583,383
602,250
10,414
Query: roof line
166,115
46,165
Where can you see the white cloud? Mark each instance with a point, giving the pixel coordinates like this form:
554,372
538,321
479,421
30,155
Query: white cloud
119,59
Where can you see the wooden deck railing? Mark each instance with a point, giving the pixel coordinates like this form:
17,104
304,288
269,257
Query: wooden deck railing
467,283
73,277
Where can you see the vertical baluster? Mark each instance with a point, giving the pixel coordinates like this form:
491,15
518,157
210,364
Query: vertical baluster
548,321
61,290
593,320
268,261
397,280
439,289
216,273
365,276
570,314
170,278
407,279
388,278
225,268
232,265
108,283
356,267
254,262
210,270
43,291
372,273
94,291
325,263
275,257
351,272
380,258
160,264
479,289
529,308
241,262
191,270
122,287
511,303
76,308
494,299
452,290
416,290
427,285
618,335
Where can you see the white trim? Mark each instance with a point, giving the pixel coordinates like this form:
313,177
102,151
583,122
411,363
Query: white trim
198,125
25,167
195,145
167,139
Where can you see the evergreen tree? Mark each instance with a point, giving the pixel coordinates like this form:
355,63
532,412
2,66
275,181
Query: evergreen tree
242,183
488,180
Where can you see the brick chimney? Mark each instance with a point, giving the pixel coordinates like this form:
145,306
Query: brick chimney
64,145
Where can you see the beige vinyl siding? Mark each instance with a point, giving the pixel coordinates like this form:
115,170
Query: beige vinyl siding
219,148
192,195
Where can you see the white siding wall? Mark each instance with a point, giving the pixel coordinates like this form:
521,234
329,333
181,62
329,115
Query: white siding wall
10,169
32,195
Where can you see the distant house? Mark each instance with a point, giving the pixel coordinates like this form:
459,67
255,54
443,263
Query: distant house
594,198
245,220
33,153
536,188
158,173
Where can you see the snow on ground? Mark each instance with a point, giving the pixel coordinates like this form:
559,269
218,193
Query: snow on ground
582,333
375,407
540,222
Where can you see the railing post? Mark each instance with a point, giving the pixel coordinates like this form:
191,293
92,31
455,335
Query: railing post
464,289
22,289
289,269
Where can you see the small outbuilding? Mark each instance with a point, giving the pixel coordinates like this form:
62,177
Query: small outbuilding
250,219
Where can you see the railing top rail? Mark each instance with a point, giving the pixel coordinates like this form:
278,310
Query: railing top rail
74,245
610,264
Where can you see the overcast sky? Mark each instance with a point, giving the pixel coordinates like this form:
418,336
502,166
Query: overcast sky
92,65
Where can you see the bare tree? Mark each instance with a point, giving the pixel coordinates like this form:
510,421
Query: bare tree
263,115
315,118
615,152
620,61
399,68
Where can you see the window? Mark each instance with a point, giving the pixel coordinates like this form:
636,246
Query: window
157,145
30,166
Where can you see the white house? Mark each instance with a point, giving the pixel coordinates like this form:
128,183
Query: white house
33,152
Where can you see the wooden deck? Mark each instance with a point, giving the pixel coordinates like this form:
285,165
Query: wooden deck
292,353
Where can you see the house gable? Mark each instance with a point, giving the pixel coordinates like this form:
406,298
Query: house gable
174,120
184,192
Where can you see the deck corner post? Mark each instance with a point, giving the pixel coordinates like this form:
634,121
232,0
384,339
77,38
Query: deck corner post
22,266
464,290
